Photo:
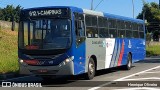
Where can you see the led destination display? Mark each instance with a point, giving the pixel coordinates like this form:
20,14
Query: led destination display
49,12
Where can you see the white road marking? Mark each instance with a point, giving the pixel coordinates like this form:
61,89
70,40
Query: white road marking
152,72
137,79
139,88
121,79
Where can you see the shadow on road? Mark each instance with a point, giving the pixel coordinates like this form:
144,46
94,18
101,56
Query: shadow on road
69,81
79,79
149,61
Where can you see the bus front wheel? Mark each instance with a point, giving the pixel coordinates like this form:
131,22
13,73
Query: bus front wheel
91,69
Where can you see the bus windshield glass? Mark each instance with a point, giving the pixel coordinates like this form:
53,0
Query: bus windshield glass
45,34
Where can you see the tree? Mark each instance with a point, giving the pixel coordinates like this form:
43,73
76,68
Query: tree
10,12
17,13
152,15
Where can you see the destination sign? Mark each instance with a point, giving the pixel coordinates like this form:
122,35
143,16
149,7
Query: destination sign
54,12
45,13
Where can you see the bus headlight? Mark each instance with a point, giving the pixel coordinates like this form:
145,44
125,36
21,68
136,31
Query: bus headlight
22,62
66,61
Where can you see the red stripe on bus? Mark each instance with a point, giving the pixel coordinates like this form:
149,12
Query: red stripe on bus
121,55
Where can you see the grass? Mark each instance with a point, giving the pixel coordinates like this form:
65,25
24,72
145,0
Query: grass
153,50
8,51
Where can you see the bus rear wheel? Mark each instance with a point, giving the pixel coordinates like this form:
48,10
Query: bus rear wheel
129,62
91,69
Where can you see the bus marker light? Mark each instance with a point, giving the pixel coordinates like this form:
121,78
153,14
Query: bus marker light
80,57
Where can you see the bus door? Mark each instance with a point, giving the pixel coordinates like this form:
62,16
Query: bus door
79,63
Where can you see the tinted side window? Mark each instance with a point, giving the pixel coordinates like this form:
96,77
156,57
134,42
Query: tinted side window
121,29
141,31
103,27
88,20
135,30
112,28
92,32
91,26
129,32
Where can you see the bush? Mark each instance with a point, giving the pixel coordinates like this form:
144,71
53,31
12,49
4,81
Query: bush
153,50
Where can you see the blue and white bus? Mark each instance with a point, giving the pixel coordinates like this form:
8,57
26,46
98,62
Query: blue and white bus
64,40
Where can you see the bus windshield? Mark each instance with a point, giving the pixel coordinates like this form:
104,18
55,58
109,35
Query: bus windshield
45,34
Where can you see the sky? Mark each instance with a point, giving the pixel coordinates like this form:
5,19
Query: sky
117,7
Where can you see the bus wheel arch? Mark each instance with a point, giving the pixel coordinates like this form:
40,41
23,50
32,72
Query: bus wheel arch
95,60
91,67
128,66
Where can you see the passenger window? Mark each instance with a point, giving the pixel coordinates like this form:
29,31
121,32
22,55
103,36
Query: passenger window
91,26
141,31
135,30
103,27
112,28
121,29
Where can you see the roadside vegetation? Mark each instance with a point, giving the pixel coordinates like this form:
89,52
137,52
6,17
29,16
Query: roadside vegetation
153,50
8,39
8,51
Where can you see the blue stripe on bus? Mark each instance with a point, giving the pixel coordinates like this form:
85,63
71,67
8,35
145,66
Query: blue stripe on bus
113,54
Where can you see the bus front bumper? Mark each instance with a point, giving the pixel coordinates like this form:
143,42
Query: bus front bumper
60,70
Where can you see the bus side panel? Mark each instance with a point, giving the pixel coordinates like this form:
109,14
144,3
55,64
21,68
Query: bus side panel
135,46
128,48
115,54
141,49
95,47
122,51
138,48
79,59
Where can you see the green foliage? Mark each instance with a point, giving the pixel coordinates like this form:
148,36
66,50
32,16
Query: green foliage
153,50
148,37
10,13
152,12
8,51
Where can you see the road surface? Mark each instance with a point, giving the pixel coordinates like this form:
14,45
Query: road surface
144,75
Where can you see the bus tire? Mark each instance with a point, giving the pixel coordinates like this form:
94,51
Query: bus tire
129,62
91,69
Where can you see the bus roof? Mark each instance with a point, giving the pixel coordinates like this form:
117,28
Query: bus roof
91,12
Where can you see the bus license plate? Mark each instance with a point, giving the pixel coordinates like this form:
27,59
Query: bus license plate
43,71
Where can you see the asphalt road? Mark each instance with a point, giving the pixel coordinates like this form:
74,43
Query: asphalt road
144,75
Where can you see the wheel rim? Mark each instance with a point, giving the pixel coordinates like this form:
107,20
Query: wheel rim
129,62
91,68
